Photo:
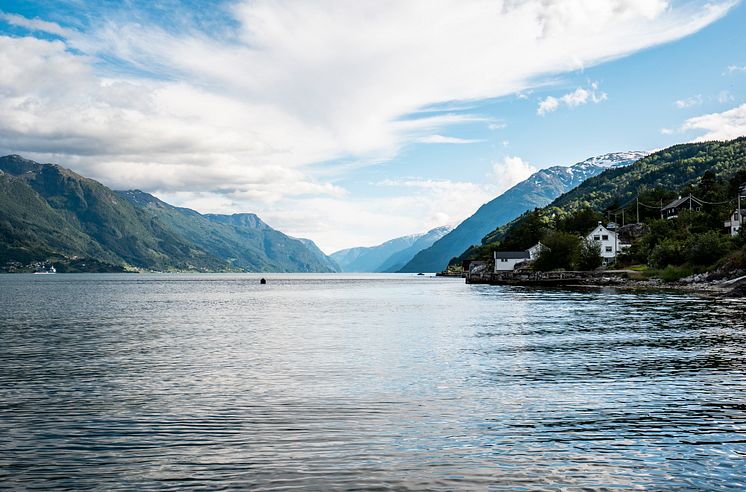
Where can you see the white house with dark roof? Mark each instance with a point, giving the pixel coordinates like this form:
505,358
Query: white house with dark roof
506,261
608,240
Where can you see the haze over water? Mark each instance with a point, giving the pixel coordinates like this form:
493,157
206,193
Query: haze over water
382,382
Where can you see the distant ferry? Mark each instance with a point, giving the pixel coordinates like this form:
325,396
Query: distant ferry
47,271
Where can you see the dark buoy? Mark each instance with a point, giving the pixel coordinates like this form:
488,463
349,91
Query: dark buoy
263,281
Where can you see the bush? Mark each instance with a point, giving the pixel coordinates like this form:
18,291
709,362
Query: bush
707,248
667,252
735,261
589,255
672,273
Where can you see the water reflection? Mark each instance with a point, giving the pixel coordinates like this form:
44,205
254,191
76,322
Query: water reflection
388,382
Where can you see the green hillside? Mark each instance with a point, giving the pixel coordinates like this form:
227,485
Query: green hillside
30,229
48,212
711,171
241,241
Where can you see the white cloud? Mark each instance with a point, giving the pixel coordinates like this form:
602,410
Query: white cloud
578,97
36,25
547,105
510,171
297,83
441,139
689,102
667,131
719,126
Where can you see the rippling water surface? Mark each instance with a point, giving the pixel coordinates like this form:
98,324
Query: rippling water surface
386,382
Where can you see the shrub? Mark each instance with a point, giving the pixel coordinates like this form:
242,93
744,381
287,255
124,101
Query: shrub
672,273
667,252
589,255
707,248
735,261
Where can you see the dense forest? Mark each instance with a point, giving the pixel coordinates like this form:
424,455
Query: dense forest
694,241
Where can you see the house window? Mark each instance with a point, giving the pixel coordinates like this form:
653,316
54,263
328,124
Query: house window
605,237
608,249
596,238
504,260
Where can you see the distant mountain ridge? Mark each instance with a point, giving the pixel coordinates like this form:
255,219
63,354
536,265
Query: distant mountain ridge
389,256
47,211
537,191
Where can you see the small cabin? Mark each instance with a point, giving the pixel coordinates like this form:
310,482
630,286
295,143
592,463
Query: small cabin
671,211
735,221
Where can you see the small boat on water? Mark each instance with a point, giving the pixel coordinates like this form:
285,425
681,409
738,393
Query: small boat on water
46,271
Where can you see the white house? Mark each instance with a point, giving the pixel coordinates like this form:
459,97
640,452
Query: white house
735,221
506,261
608,240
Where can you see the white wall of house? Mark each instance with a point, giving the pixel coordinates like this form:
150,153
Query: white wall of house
735,222
507,264
607,240
533,251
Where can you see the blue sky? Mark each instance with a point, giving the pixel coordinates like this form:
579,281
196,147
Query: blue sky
352,123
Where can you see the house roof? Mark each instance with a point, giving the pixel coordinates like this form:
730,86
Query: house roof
680,201
511,255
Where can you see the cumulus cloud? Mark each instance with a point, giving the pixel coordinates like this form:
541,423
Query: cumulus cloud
510,171
578,97
295,83
547,105
719,126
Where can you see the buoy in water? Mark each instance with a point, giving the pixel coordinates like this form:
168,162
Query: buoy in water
263,281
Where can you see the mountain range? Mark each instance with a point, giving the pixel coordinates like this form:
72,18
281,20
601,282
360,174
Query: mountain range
49,212
389,256
537,191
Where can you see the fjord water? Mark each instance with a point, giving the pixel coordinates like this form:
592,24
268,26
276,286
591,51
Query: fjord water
386,382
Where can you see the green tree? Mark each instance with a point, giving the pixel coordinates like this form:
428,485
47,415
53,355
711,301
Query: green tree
589,255
559,253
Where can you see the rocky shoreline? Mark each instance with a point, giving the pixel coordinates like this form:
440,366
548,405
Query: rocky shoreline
731,284
735,287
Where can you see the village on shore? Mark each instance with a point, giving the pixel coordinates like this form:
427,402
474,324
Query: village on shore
609,242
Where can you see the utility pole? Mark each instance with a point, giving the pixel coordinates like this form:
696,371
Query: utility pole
622,217
637,200
690,202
